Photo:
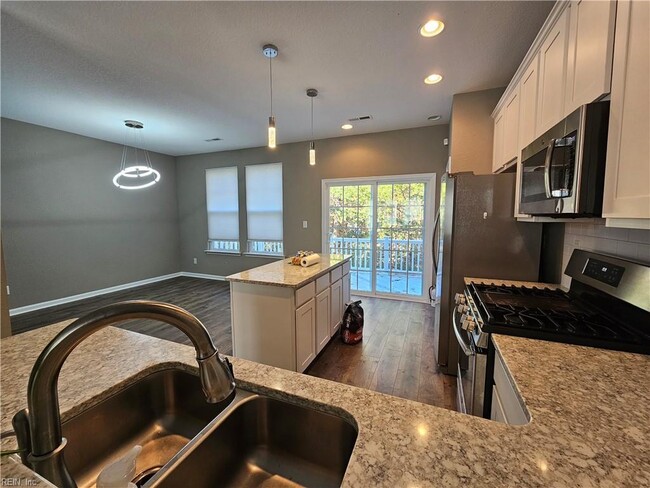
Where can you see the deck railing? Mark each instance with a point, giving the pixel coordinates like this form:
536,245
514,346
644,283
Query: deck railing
398,255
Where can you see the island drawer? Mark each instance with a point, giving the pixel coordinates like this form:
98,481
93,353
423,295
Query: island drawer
305,293
336,273
322,283
346,268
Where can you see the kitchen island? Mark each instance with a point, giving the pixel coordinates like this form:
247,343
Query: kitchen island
589,411
284,315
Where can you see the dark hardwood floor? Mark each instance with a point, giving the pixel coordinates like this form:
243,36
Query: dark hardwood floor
395,357
208,300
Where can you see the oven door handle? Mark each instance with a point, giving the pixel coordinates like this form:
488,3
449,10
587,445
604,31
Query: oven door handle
467,349
547,168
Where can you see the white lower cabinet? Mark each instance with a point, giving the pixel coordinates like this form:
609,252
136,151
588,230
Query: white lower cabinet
346,291
305,338
337,306
506,406
323,313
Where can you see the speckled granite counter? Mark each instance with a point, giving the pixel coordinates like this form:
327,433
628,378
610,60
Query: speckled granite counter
281,273
590,412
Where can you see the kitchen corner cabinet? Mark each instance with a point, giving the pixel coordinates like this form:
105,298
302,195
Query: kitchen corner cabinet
497,147
626,201
506,404
286,324
506,134
589,53
552,75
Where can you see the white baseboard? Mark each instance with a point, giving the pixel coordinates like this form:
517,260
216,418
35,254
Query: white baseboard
203,275
73,298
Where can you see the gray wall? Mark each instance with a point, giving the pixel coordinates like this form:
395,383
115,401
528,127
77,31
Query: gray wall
472,131
406,151
66,229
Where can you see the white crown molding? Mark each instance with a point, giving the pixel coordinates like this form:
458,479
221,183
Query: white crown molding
555,13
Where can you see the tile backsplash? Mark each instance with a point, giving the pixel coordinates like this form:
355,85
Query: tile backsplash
625,243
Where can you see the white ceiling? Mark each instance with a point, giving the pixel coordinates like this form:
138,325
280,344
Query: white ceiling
194,70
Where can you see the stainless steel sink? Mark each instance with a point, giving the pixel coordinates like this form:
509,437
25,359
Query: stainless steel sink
260,441
246,440
162,412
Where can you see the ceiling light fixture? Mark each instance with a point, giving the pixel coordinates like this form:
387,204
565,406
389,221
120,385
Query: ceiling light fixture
271,51
346,126
433,79
432,28
434,117
136,171
312,93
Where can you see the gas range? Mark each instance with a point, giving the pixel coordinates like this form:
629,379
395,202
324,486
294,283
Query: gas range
608,306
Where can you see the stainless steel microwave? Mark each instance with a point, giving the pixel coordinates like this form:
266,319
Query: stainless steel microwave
563,170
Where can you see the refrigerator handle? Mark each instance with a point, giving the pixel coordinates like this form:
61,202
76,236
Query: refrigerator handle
436,242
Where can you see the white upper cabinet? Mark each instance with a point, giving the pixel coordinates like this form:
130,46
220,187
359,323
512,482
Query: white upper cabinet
627,178
589,54
528,103
497,147
511,128
552,75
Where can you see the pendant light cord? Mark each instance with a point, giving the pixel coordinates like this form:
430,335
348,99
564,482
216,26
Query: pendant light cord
271,82
312,118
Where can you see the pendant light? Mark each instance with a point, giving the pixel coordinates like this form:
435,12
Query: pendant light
312,93
136,171
271,51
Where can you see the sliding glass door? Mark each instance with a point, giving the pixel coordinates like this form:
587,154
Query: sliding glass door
383,223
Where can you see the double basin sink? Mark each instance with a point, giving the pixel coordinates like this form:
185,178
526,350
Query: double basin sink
247,440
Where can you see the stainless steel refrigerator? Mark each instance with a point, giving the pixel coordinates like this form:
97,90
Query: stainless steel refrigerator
477,236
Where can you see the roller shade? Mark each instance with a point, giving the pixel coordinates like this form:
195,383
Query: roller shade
222,197
264,202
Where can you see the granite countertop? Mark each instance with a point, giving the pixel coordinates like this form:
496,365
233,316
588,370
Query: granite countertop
589,409
281,273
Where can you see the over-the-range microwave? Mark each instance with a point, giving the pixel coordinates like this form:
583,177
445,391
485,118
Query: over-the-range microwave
563,170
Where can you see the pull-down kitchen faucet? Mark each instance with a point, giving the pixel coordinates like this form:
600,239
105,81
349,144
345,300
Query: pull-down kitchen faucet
38,428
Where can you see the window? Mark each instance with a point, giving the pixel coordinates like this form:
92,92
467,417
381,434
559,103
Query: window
264,208
222,198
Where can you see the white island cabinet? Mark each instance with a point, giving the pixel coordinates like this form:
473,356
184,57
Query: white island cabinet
284,315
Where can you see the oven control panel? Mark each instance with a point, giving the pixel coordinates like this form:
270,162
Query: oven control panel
607,273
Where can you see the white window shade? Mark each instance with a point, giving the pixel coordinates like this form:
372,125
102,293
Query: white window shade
222,197
264,202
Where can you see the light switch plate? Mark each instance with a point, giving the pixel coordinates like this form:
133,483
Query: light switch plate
304,224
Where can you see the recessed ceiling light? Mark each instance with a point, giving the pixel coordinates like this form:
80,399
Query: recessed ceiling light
432,28
433,79
346,126
434,117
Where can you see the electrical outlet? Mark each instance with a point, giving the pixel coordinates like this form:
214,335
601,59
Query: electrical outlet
304,224
195,261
